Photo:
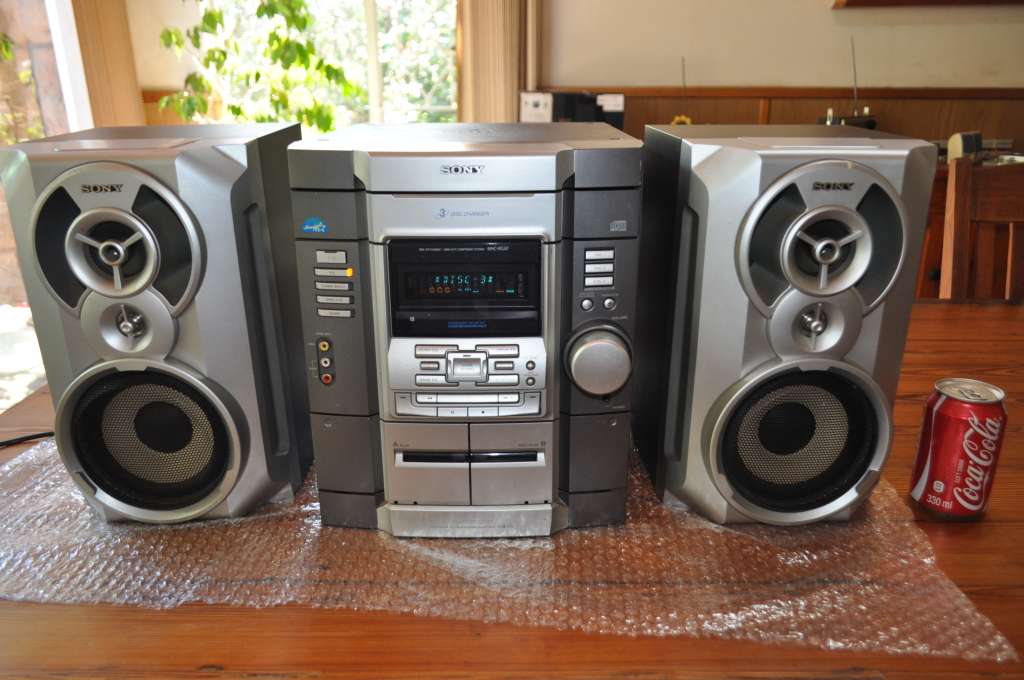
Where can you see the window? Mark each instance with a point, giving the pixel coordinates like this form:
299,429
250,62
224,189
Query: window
31,106
397,57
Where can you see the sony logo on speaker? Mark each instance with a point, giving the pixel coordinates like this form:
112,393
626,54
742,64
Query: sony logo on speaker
101,188
461,169
832,186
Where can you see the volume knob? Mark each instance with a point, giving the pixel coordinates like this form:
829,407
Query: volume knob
598,362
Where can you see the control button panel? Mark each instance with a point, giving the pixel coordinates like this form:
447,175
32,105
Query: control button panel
466,373
598,261
326,273
488,405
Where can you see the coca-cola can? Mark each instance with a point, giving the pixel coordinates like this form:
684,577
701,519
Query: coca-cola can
962,434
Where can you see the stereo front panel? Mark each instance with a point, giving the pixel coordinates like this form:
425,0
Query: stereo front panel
476,250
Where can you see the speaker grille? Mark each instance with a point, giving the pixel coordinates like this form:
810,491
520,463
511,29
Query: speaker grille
176,256
799,441
150,439
55,218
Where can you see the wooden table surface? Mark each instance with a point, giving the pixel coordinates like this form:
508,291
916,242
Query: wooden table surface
985,559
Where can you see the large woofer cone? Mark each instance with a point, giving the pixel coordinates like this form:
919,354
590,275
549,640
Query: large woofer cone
799,441
150,440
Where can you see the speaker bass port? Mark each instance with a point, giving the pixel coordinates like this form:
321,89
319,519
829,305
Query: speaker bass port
598,362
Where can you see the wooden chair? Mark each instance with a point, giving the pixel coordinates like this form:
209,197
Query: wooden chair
983,241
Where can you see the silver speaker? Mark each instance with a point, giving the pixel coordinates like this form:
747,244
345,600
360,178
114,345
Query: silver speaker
151,258
786,257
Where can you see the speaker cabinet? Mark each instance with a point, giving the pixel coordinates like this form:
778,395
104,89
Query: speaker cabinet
151,258
786,259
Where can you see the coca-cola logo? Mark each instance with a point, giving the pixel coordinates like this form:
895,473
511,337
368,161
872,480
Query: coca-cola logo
979,445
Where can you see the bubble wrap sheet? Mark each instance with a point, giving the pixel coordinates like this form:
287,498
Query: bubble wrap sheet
861,585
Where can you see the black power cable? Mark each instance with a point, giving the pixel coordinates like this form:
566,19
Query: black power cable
24,438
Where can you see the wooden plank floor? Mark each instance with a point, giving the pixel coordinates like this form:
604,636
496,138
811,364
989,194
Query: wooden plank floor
985,559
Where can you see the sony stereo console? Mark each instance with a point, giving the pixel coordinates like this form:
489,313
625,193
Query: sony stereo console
467,297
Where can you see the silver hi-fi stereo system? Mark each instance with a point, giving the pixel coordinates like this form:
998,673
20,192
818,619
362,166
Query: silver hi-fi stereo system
450,316
159,266
468,305
789,255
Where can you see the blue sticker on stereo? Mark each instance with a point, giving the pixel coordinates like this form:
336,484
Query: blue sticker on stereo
314,225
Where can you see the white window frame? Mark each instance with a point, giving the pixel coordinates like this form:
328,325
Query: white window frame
70,70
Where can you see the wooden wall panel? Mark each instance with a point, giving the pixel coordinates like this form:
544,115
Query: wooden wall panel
803,110
151,109
932,114
114,94
648,110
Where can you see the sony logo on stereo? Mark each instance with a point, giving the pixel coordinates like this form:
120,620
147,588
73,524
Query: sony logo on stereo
101,188
461,169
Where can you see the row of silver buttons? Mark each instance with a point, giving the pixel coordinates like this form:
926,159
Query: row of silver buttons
440,351
405,405
329,258
428,380
594,265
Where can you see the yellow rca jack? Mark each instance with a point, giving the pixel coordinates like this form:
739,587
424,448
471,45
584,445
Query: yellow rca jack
323,345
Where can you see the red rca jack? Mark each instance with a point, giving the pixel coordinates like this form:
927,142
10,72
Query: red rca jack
326,378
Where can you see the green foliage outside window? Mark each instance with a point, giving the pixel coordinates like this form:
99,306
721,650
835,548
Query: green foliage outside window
261,63
17,122
306,60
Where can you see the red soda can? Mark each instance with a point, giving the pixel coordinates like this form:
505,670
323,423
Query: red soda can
964,422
